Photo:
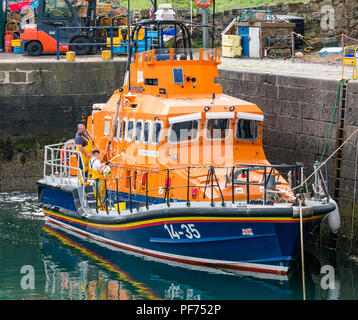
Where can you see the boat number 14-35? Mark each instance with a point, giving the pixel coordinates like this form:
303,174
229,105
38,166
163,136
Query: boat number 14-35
187,230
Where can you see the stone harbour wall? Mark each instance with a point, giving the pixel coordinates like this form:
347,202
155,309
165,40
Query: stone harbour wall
298,113
41,103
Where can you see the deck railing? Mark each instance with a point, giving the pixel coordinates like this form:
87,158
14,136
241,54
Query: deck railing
60,167
270,178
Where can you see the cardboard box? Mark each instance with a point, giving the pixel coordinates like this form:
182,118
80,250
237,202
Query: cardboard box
231,40
231,52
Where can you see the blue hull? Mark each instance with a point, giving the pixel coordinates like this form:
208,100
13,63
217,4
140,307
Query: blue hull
225,238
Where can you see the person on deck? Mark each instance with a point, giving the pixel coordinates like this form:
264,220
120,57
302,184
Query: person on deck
96,174
84,143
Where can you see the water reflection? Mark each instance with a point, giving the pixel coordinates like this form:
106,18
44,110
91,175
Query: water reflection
71,268
97,272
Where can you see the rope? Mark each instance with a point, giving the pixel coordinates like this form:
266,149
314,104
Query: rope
354,198
324,162
302,253
349,37
334,114
331,124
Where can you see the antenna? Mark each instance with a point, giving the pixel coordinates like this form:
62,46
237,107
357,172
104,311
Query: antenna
155,5
129,47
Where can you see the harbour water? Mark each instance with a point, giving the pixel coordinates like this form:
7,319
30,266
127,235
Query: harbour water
38,261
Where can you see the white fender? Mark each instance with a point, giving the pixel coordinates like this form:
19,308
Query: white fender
333,218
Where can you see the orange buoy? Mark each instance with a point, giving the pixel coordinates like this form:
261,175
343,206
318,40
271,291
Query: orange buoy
205,4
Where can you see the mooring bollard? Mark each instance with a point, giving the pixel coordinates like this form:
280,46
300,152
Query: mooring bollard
70,56
106,55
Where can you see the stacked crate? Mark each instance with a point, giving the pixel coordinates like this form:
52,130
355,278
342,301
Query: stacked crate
231,46
16,45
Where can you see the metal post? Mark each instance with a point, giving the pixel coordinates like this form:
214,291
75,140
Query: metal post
265,183
167,189
146,191
233,185
302,252
145,38
212,186
218,185
105,194
293,47
45,161
96,182
58,43
117,197
130,194
111,35
247,186
187,189
161,39
52,162
205,14
213,31
129,52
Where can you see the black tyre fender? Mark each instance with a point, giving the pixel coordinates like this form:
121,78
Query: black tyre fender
34,48
80,50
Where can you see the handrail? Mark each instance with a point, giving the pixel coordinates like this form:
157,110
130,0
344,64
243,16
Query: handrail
111,28
211,181
60,167
59,164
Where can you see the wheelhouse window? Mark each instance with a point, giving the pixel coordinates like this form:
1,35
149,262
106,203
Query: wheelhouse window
130,133
247,129
107,127
151,82
217,129
115,134
157,131
122,133
119,130
138,131
183,131
178,75
146,132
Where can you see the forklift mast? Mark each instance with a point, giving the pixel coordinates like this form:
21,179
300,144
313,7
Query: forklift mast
91,13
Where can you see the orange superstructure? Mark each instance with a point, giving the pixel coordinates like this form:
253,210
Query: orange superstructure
174,115
189,181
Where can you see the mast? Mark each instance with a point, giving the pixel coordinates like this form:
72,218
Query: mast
129,48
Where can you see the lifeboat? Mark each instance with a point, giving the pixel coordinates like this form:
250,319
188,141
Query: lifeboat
188,182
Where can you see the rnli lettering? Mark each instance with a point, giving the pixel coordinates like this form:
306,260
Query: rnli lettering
148,153
137,89
247,232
